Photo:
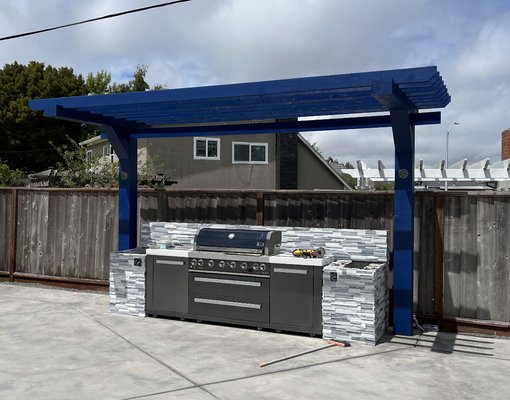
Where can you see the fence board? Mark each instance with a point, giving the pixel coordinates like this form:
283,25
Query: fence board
424,243
501,298
485,261
5,228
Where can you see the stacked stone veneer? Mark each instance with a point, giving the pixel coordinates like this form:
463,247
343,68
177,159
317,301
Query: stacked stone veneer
343,244
355,306
127,283
127,280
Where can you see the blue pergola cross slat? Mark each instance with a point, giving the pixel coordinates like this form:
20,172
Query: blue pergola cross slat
266,107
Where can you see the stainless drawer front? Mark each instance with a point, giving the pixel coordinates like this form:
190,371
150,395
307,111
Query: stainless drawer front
291,271
228,303
169,262
227,282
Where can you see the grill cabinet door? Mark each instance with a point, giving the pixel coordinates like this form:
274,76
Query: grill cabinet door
167,286
292,302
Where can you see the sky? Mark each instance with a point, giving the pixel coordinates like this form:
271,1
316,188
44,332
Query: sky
208,42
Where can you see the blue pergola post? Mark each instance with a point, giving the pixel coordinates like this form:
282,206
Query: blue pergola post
126,149
403,222
401,115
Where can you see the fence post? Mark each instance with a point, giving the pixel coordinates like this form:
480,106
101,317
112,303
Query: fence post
439,260
260,208
14,234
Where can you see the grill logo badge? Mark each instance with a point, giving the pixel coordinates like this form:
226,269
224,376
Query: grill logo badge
333,277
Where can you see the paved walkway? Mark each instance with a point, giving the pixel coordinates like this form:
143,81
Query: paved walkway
62,344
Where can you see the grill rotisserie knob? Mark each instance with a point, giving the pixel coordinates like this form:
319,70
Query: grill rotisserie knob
200,263
244,265
221,264
262,267
232,264
210,263
193,263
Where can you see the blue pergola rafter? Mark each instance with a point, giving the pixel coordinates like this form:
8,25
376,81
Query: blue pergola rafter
274,107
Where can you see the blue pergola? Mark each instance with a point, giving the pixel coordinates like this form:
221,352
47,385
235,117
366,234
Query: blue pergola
252,108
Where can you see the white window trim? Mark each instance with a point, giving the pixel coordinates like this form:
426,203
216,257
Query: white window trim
195,157
250,144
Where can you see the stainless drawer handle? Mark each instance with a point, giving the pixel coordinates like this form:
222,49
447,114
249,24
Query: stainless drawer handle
291,271
228,282
169,262
228,303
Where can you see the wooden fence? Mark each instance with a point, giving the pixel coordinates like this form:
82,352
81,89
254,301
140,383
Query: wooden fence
462,249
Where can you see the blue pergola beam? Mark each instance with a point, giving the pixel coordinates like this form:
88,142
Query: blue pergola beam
378,121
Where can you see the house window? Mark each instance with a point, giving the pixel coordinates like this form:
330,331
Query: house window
108,153
249,153
206,148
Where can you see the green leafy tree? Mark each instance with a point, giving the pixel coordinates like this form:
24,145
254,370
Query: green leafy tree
24,134
99,83
137,84
352,182
77,170
9,177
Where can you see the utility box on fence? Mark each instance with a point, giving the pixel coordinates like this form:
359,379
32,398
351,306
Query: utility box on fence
355,301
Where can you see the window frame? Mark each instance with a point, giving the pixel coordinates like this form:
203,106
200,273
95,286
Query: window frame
250,144
207,139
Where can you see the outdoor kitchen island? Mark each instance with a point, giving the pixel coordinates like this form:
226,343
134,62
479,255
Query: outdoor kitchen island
167,276
280,292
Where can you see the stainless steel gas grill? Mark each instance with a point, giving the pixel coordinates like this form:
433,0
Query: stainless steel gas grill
229,272
260,242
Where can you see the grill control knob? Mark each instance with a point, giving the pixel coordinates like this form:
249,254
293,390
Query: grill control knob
210,263
221,264
255,267
193,263
244,265
200,263
262,267
232,264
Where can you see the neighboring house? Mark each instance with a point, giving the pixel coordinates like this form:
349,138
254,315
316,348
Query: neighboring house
98,147
264,161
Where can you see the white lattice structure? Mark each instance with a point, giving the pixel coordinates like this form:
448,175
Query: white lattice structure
479,175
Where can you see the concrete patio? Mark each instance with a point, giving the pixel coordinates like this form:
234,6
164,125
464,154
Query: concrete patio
64,344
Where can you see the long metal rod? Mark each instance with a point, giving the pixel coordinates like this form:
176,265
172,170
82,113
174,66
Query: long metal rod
337,344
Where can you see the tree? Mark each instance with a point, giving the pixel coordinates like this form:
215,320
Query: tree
24,134
99,83
9,177
137,84
77,170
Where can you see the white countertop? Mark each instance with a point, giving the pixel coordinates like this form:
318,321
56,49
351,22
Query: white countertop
173,252
283,258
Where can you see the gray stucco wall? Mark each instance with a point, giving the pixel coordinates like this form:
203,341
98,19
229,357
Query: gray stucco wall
176,157
313,174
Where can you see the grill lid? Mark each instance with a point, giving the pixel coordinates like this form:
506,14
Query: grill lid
266,242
